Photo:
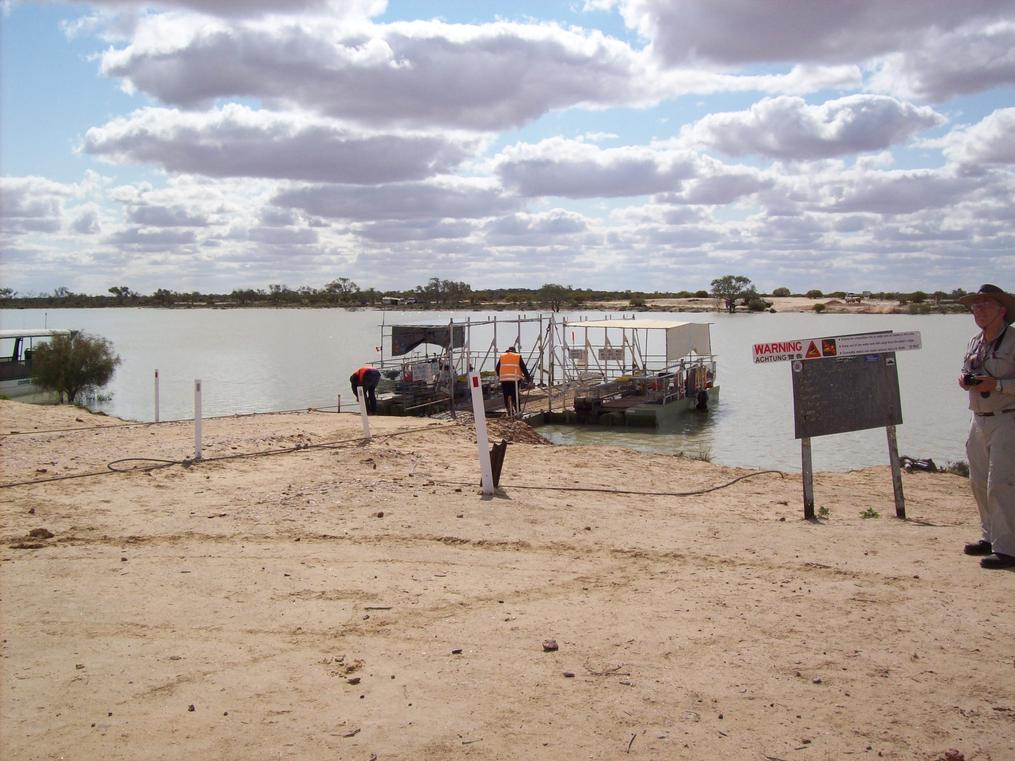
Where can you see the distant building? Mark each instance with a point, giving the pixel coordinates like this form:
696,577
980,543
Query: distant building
393,301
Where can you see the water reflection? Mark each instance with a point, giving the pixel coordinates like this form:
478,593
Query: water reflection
691,434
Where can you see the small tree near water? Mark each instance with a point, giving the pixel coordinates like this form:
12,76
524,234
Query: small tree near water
71,364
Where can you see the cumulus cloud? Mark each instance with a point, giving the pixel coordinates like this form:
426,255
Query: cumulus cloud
406,231
87,222
789,128
745,31
574,169
988,142
723,189
151,239
32,204
165,216
547,228
479,77
283,236
930,50
237,141
966,60
409,201
898,192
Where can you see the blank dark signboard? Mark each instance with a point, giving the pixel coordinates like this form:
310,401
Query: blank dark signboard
839,394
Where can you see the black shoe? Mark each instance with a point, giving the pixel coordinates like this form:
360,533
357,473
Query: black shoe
998,560
981,547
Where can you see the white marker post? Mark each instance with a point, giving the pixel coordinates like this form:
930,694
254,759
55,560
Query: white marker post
156,395
363,412
197,420
483,445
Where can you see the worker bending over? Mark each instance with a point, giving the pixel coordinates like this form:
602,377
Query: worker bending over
367,378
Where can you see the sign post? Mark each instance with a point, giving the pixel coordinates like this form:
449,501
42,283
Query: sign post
843,383
197,419
807,468
479,414
363,412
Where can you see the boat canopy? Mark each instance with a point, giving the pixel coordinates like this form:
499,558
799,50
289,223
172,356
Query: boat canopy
682,338
33,333
405,338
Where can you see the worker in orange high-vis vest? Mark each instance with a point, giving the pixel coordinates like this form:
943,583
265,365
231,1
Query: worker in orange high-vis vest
367,378
511,370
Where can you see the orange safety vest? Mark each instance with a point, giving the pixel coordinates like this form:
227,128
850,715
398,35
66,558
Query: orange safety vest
360,373
511,366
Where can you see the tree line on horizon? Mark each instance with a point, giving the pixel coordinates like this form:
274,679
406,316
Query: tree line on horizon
729,291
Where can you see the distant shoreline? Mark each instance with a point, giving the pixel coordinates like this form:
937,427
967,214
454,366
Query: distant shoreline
779,304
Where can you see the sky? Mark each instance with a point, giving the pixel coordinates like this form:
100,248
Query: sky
649,145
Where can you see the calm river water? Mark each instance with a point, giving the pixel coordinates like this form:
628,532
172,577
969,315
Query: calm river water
260,360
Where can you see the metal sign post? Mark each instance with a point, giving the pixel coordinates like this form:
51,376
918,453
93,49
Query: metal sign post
807,469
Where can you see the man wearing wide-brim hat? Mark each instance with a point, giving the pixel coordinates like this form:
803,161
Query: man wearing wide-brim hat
988,374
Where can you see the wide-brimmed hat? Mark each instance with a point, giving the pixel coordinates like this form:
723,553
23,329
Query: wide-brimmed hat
988,291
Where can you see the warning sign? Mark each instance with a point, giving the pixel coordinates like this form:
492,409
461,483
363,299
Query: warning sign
778,351
836,346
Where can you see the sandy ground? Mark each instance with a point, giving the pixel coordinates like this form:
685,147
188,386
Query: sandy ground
343,599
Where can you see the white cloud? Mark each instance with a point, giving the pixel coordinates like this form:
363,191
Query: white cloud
408,201
746,31
236,141
989,142
967,60
32,204
575,169
788,128
87,222
931,50
151,239
409,74
898,192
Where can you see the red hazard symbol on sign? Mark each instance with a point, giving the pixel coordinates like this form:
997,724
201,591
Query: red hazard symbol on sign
828,347
812,351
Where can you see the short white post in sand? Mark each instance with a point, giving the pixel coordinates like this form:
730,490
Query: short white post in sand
156,395
483,445
363,413
197,420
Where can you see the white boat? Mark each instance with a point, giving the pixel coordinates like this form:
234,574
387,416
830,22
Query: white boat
16,350
639,372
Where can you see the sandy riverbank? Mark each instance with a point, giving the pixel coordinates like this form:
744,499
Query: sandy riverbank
351,600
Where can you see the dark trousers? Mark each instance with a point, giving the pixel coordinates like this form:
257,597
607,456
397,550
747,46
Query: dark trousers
510,391
370,393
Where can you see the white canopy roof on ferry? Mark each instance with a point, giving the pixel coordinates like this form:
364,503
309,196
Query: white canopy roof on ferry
33,333
629,324
682,338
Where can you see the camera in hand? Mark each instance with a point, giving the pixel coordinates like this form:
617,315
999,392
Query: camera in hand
969,379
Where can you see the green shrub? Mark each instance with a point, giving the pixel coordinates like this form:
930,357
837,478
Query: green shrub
819,308
74,363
